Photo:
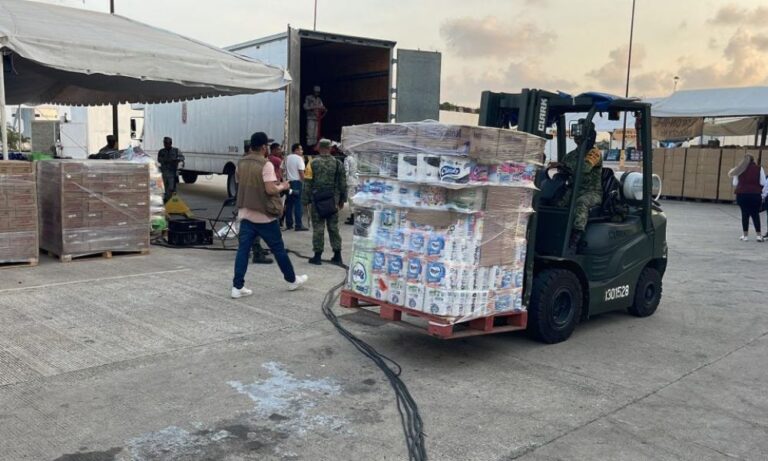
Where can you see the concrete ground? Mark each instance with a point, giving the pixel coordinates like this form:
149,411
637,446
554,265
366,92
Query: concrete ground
146,358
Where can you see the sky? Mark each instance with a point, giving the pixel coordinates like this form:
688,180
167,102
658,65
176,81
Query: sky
506,45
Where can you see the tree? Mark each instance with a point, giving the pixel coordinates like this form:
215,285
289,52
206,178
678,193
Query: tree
15,139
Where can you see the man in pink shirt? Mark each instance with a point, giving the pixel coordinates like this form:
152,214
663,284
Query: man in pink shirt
259,207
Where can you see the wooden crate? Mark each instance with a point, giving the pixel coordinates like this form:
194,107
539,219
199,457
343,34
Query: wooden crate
93,208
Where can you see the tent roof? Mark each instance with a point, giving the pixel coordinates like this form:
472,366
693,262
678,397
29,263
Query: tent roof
719,102
79,57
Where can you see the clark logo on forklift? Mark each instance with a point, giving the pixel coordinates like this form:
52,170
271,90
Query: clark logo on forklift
543,109
612,294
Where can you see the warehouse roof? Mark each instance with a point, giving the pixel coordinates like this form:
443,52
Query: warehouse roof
79,57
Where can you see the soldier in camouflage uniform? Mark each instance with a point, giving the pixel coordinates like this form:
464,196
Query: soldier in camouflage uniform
590,193
327,174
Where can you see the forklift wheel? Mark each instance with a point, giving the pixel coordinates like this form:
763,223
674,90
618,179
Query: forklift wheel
647,293
555,306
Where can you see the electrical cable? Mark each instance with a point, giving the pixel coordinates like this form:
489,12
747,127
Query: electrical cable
410,418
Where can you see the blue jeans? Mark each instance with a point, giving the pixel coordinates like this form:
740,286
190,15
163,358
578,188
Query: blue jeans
293,206
270,233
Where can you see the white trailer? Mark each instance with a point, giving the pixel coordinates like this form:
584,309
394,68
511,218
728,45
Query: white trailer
357,76
84,130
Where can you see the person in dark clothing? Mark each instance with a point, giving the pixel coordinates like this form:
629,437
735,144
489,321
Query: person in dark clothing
749,180
169,159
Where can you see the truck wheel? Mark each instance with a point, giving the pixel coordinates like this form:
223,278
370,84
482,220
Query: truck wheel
647,293
189,177
555,307
231,185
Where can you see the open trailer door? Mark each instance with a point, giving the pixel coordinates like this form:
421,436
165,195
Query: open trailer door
293,92
417,86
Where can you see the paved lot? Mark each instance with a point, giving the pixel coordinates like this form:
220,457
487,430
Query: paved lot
145,358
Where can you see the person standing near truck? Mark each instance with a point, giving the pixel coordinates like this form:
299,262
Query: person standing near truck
316,110
294,170
169,159
259,206
326,190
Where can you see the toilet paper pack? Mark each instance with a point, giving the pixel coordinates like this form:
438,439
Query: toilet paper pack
417,243
396,265
380,287
407,168
414,296
360,269
366,223
428,166
414,271
379,264
436,302
455,169
396,291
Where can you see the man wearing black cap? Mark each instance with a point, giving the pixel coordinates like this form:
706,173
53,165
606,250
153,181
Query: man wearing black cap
259,207
169,159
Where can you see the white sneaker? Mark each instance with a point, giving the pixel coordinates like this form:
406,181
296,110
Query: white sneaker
744,238
759,238
241,293
300,280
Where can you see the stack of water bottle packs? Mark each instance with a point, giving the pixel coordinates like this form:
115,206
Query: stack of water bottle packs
441,216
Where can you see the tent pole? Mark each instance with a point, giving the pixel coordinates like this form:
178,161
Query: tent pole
765,132
3,124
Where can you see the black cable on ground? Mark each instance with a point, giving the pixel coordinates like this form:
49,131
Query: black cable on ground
410,418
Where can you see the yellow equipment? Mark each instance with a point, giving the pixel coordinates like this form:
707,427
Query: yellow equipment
177,206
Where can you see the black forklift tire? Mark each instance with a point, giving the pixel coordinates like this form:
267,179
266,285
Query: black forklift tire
189,177
231,185
647,293
555,308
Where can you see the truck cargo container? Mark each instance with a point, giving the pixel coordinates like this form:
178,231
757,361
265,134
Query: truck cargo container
357,76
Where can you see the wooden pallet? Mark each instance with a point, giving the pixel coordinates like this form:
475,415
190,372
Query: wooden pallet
31,262
96,254
437,326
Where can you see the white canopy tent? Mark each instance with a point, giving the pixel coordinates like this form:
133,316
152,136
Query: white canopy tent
60,55
691,113
718,102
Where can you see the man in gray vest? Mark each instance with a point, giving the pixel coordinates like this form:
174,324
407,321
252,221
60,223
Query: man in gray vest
259,207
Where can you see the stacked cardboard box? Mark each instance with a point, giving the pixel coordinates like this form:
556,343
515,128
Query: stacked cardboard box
674,172
441,216
659,157
18,213
702,169
92,207
729,158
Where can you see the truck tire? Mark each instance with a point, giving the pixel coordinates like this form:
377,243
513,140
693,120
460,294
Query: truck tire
231,185
555,306
647,293
189,177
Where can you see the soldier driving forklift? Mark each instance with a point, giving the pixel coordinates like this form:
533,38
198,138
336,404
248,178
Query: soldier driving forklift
595,247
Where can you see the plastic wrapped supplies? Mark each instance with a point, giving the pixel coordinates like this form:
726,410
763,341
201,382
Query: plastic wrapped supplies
441,216
158,221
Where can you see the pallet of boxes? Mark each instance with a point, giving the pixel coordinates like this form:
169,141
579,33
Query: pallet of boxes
18,214
93,208
441,217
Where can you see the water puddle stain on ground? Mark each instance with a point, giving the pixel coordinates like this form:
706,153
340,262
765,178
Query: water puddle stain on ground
285,407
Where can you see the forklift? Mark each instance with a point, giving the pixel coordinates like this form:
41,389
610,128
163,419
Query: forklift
621,260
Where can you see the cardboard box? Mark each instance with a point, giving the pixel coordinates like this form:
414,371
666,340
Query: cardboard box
674,172
93,206
729,158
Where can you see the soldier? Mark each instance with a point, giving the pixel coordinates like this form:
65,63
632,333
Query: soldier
169,159
590,193
316,110
326,190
